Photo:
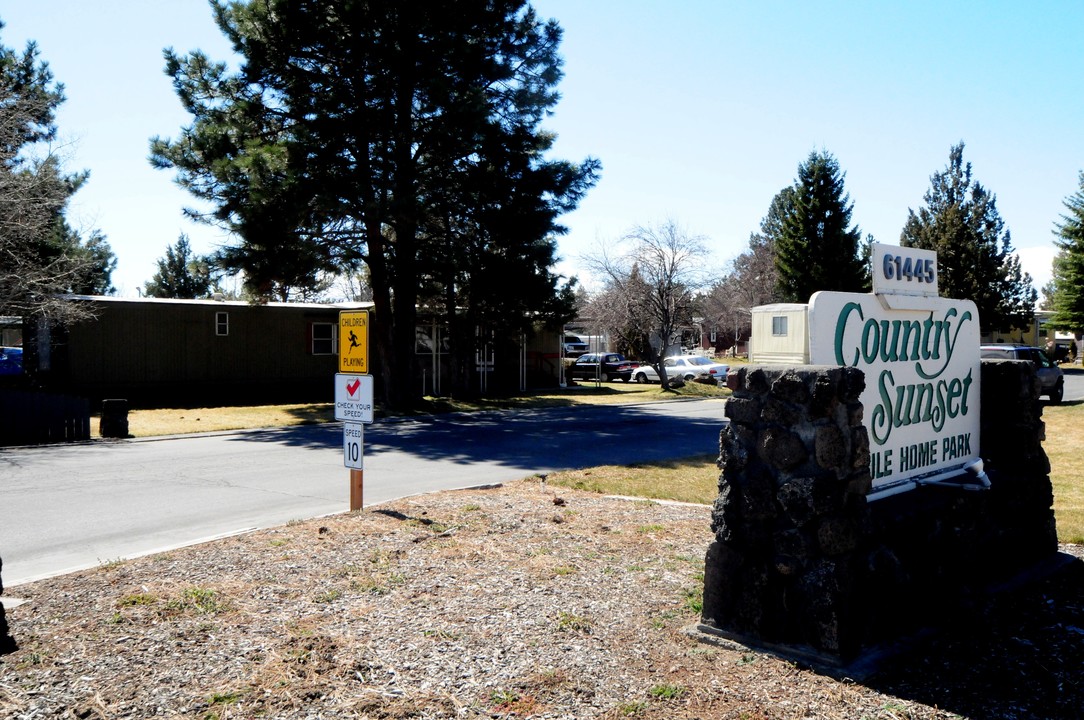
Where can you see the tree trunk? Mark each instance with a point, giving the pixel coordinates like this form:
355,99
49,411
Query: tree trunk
381,345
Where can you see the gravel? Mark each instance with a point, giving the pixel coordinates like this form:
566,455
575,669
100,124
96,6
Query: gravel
520,601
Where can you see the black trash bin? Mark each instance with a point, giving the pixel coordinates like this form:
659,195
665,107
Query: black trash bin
114,422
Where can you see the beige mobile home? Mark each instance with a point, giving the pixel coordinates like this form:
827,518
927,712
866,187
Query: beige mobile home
780,334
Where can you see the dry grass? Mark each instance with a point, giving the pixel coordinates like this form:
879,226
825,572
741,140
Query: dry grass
1064,442
154,423
695,479
692,480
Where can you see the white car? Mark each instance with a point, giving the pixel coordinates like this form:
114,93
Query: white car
685,367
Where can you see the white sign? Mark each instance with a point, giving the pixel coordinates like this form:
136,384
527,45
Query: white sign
922,367
904,271
354,398
353,445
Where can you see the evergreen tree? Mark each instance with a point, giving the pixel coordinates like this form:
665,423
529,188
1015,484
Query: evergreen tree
974,250
403,136
41,256
1067,281
95,260
753,278
817,248
89,264
181,274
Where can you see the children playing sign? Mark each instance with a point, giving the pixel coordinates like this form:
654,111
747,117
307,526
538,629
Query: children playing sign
920,356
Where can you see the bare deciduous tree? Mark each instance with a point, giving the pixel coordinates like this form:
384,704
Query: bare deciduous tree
34,191
653,283
750,282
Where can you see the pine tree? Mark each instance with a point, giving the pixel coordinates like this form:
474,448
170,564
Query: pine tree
1067,292
41,256
181,274
817,248
405,136
974,250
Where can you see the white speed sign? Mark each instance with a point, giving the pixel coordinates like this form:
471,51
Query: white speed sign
353,445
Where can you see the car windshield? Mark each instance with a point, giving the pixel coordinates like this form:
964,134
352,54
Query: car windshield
700,361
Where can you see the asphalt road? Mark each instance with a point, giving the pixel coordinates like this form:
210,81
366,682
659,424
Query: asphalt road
68,507
1074,383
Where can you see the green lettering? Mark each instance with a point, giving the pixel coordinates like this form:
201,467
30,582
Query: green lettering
841,327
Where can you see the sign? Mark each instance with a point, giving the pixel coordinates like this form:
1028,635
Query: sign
353,445
354,341
920,356
904,271
354,398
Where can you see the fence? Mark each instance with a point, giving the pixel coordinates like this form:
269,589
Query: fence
29,418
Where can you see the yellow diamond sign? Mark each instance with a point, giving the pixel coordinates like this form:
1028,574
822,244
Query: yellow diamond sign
354,341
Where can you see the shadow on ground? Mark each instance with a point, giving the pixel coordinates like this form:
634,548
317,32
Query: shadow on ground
554,438
1019,656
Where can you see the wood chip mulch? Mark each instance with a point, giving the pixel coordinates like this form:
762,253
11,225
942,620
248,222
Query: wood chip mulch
522,601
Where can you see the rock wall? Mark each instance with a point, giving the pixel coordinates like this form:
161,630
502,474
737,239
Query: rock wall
800,558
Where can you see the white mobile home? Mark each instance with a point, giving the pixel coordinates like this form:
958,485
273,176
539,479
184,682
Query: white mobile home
780,334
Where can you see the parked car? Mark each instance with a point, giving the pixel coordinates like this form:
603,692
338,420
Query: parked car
603,366
574,346
11,361
685,367
1050,375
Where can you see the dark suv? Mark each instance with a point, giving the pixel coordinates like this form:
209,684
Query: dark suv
1050,375
603,366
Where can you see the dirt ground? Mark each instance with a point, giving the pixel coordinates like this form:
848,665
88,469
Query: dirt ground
521,601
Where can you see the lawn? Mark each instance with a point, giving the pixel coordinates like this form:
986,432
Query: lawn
153,423
1064,443
695,479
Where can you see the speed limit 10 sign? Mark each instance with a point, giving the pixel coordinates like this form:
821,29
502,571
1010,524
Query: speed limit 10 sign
353,445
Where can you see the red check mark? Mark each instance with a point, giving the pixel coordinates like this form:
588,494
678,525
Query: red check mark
353,387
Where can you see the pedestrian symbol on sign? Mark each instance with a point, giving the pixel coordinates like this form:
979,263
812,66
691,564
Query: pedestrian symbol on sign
354,341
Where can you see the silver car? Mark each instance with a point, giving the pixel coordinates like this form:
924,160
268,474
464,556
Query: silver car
685,367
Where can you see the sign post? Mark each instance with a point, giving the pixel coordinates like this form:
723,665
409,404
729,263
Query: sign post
354,406
353,458
354,395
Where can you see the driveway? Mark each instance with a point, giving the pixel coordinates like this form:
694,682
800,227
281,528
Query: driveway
69,507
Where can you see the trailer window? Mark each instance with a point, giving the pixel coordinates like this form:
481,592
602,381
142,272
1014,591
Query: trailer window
779,326
222,323
323,338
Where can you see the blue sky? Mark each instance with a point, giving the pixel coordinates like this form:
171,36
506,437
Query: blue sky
700,111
